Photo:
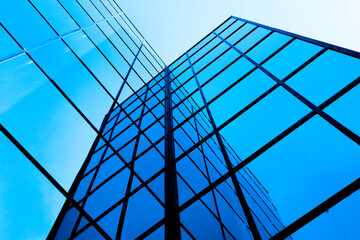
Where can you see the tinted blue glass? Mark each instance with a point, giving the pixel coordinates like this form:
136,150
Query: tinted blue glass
108,168
90,9
83,187
268,46
338,222
317,156
101,40
158,234
115,34
200,222
191,174
345,111
24,23
8,47
90,233
149,164
240,34
284,62
75,11
93,59
242,94
224,79
67,224
104,197
74,79
263,122
251,39
109,223
24,90
27,193
230,30
231,213
325,76
56,15
143,212
210,56
157,186
224,25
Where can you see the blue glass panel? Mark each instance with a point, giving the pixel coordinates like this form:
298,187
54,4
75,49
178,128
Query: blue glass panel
29,202
290,58
240,34
95,159
24,23
67,224
90,9
345,110
325,76
149,164
242,94
94,60
143,212
231,212
83,187
224,25
314,157
143,144
251,39
8,46
109,223
229,30
158,234
157,186
98,4
339,222
90,233
108,168
134,81
127,34
155,132
149,66
177,69
74,9
268,46
200,44
56,15
191,174
208,50
200,222
217,66
24,90
264,121
74,79
210,56
100,39
104,197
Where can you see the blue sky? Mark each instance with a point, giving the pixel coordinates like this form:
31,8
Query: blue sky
172,27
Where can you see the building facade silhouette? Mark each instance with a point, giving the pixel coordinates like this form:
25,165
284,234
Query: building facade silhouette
190,150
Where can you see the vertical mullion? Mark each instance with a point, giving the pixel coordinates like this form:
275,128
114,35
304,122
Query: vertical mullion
239,193
172,218
131,167
208,176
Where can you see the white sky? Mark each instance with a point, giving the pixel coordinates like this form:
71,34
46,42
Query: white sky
172,27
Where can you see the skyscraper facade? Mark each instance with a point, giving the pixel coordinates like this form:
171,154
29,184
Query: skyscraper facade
248,135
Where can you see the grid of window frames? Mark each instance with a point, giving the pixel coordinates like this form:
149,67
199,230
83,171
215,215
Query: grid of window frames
236,109
63,65
203,139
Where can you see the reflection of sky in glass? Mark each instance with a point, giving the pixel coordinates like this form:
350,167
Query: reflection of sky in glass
310,165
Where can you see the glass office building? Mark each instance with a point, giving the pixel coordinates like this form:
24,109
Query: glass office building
253,133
